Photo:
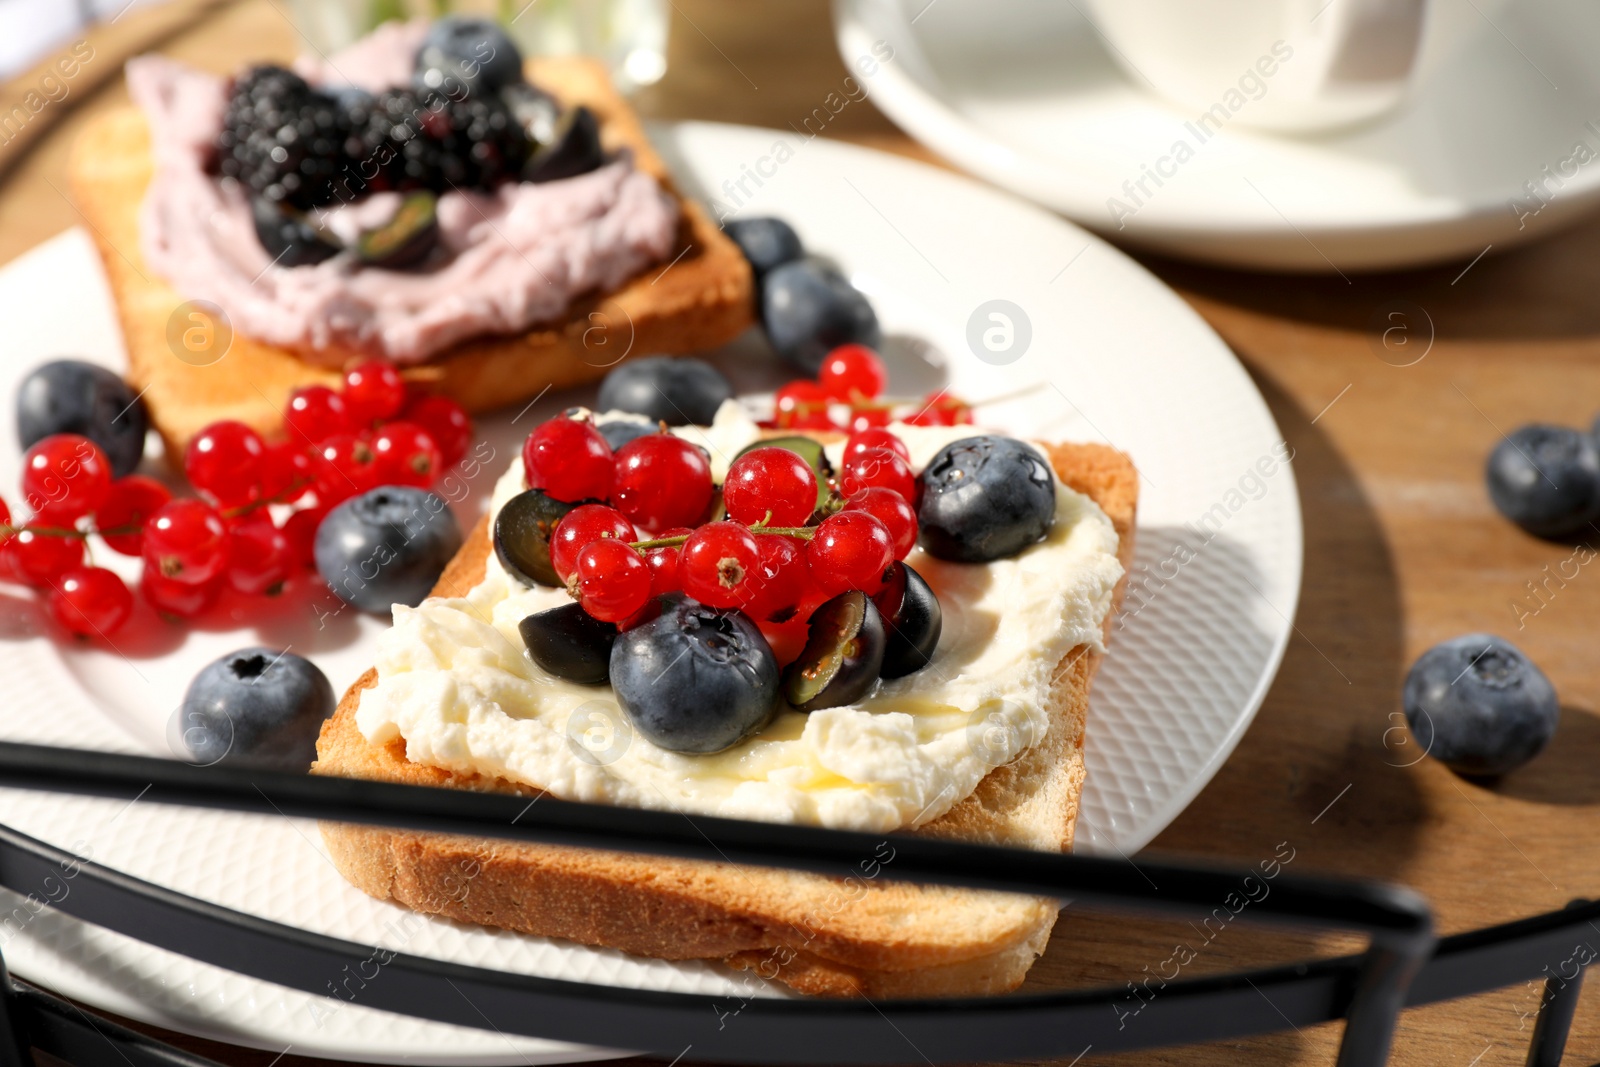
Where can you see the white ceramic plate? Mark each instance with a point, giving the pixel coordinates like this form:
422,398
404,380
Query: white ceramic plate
1113,355
1026,95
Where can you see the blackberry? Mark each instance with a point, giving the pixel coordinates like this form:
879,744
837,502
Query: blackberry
282,138
374,151
410,139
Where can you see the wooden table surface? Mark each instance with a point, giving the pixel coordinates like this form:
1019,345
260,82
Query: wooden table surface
1402,548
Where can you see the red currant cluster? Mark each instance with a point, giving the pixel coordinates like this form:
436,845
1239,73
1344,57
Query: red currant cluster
779,549
338,444
848,395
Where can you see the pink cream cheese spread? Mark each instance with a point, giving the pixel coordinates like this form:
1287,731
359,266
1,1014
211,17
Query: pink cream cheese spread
518,255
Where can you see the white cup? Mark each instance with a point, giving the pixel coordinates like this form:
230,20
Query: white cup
1288,65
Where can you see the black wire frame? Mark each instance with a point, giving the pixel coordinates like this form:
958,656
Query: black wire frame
1403,965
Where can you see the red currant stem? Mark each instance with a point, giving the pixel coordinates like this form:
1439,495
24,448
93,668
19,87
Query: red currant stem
804,533
886,403
859,401
7,530
254,505
659,542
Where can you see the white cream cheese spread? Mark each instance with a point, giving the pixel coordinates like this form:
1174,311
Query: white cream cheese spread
455,682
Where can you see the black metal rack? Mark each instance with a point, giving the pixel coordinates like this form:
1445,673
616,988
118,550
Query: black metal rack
1403,965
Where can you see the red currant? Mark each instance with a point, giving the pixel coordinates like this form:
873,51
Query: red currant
91,602
300,529
130,502
65,476
663,563
42,558
875,437
786,639
853,372
877,467
661,481
719,563
373,391
569,460
314,414
260,556
612,580
343,466
802,405
851,550
406,455
181,600
811,599
581,525
780,577
224,463
893,511
446,422
186,541
285,472
772,480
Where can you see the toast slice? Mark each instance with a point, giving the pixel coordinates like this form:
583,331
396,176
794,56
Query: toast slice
819,935
698,300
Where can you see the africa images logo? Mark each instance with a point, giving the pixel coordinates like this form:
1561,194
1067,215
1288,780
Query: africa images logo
1252,85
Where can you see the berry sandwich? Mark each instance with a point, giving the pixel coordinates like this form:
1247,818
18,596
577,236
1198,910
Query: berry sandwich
492,228
894,630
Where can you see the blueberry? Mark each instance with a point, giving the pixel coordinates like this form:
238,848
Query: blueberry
70,396
676,390
1546,479
461,56
843,655
575,150
619,432
256,707
387,546
570,643
288,237
695,679
1477,705
766,243
985,498
912,621
809,309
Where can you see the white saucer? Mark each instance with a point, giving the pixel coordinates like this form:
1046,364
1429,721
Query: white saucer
1111,354
1024,94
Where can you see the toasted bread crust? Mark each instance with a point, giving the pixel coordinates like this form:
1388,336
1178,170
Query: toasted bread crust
818,935
697,301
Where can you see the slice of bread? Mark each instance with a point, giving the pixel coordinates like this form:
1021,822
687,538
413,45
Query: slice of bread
819,935
697,300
